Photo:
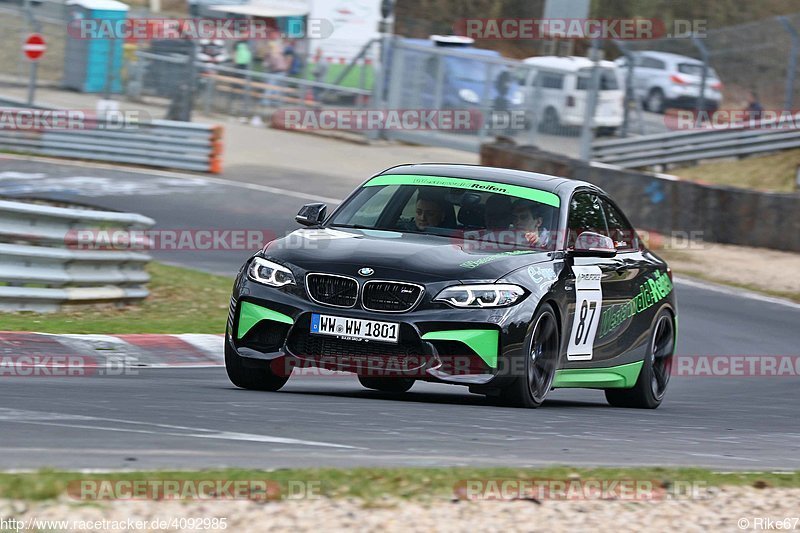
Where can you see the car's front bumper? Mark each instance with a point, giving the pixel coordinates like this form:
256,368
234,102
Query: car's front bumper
436,342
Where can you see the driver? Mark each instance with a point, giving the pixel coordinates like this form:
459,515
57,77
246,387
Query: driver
429,212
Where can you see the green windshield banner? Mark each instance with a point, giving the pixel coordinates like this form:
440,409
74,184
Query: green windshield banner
543,197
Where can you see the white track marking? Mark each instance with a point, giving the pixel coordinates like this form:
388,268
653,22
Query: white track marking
179,175
731,291
40,418
212,345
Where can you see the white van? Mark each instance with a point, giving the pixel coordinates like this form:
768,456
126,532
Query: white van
555,92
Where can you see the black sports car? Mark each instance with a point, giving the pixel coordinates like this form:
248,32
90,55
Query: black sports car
509,282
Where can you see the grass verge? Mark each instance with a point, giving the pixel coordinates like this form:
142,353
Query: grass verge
775,172
181,301
370,484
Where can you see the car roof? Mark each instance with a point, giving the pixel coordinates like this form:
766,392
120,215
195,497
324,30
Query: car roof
668,56
462,49
571,63
543,182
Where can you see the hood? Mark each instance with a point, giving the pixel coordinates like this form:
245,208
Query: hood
398,256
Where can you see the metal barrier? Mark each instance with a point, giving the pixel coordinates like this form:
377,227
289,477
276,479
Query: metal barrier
157,143
54,256
693,146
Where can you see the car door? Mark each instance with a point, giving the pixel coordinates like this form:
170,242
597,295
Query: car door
653,75
595,283
626,320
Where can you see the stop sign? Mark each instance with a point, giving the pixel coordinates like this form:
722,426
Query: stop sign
34,47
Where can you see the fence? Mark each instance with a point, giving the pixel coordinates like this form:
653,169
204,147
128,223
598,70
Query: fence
693,146
14,27
45,263
222,88
542,103
759,57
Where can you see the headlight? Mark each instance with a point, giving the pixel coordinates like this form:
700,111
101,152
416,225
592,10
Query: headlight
490,295
517,98
470,96
269,273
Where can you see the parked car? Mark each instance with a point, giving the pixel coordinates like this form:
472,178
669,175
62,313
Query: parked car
556,93
468,80
662,80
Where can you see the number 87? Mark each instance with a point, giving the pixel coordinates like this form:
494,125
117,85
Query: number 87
579,331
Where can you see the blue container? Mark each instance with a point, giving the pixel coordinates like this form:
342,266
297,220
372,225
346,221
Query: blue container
91,63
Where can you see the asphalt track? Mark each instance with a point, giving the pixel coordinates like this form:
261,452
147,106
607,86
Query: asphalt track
175,418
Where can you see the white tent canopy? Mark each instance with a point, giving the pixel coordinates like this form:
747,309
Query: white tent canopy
267,8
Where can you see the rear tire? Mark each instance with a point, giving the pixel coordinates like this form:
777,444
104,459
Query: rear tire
550,122
256,375
541,363
651,385
395,384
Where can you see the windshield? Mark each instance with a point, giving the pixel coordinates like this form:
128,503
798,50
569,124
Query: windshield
608,79
463,69
474,212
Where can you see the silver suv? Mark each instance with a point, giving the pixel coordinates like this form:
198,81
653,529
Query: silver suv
662,80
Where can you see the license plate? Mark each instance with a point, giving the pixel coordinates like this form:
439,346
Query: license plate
354,328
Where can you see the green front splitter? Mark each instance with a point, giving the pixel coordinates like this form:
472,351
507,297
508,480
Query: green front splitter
613,377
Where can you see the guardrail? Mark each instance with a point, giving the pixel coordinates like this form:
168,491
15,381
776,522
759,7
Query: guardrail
45,263
116,139
695,145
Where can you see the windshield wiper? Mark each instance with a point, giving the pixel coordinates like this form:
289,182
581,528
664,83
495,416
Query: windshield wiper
358,226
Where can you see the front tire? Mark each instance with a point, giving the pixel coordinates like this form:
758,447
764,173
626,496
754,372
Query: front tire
395,384
655,102
541,363
255,375
651,385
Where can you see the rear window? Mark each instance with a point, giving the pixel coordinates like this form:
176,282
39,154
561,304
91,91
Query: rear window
693,69
608,79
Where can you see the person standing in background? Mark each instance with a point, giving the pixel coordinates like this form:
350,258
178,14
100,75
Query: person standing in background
293,63
274,64
243,56
320,73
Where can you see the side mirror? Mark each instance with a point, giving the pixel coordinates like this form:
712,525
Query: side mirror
311,214
591,244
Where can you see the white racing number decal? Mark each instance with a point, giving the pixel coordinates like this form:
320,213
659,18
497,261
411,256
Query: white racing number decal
588,304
